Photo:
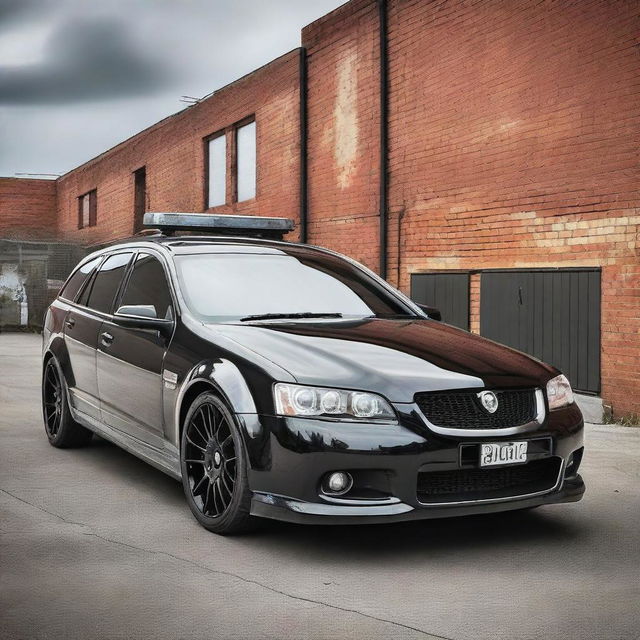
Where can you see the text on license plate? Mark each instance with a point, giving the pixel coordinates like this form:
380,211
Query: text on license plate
503,453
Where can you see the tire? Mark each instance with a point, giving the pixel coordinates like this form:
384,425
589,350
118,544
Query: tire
62,430
214,467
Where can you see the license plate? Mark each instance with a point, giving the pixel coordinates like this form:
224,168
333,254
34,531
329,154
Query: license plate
503,453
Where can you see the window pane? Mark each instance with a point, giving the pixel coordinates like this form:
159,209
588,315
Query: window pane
148,286
217,171
107,281
86,210
76,281
246,147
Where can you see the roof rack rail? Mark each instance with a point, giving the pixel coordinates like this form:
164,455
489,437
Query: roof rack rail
225,224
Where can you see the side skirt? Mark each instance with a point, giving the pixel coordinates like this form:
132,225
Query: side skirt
166,461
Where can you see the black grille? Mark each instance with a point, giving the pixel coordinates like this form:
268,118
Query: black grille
463,409
490,483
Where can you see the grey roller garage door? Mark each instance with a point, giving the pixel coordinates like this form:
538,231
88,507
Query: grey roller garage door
553,315
448,292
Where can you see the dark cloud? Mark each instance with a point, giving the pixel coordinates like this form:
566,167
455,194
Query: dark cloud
59,111
87,59
12,11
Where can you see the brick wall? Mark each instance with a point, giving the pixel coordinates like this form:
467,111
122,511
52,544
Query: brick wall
27,208
173,153
343,62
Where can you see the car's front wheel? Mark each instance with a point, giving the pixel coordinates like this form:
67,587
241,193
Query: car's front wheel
62,430
214,467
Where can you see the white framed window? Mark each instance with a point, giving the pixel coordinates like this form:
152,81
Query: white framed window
246,161
217,171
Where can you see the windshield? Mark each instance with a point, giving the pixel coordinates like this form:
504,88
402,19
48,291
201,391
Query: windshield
244,287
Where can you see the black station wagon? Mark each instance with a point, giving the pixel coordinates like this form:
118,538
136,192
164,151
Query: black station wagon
286,381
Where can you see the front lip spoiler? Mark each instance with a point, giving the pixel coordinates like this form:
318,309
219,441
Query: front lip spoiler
290,510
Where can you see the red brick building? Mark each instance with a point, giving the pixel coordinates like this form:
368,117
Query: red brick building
27,208
481,155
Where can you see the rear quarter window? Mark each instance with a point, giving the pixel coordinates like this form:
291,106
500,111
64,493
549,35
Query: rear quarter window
70,289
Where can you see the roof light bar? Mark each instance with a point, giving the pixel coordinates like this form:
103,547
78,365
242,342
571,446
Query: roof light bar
255,226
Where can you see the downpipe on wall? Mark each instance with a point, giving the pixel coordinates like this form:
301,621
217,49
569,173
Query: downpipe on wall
384,135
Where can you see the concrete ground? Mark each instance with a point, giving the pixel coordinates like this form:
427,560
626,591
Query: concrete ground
96,544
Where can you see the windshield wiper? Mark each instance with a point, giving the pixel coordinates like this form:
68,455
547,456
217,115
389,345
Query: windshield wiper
279,316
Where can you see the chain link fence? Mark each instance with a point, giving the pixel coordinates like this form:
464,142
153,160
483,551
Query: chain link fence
31,274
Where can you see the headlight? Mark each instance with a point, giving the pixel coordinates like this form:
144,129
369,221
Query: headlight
559,392
319,402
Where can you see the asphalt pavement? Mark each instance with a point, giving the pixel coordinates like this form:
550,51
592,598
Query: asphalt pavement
95,544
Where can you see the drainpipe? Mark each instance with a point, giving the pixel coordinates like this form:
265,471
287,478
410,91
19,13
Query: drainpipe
304,191
384,135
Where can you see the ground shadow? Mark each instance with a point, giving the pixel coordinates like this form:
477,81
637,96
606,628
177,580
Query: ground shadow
118,463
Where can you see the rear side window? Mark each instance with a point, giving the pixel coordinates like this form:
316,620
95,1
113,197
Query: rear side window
148,286
78,278
105,284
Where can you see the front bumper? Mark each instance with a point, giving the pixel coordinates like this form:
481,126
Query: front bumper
291,456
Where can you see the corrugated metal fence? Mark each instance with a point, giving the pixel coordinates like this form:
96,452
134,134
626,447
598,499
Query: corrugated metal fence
448,292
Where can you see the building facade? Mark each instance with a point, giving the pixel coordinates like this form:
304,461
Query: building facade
482,156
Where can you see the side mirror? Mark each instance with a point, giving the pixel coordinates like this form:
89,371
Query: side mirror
142,316
432,312
139,310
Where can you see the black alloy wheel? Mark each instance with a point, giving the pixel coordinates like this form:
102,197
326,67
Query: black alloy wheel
62,430
52,399
211,459
213,467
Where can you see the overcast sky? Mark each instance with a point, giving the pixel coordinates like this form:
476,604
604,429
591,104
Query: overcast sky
78,76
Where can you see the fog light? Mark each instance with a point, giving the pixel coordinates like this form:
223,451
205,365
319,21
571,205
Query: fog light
337,483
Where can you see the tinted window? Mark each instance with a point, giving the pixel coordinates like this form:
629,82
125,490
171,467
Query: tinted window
227,287
84,296
148,286
107,280
75,282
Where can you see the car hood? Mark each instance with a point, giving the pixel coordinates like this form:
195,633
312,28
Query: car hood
396,358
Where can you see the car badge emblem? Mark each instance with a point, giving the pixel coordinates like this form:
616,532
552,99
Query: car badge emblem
489,401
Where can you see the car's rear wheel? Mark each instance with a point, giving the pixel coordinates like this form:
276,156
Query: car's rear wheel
214,467
62,430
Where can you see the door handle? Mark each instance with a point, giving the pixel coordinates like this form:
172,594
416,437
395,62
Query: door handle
70,322
107,339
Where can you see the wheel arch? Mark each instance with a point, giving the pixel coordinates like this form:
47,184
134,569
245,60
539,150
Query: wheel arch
57,349
196,388
225,380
